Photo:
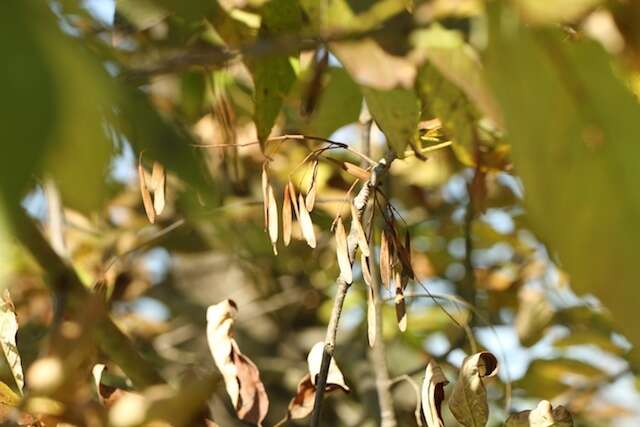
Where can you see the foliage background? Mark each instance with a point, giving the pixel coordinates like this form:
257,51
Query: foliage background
530,215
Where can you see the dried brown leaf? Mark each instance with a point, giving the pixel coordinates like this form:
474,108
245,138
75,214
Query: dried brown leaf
401,308
385,260
335,379
433,394
272,215
294,199
306,224
302,403
240,374
468,401
310,200
356,224
8,331
158,185
287,217
543,416
147,202
254,402
371,316
356,171
265,195
342,252
403,253
366,272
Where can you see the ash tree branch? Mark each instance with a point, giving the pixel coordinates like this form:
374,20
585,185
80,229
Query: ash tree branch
360,202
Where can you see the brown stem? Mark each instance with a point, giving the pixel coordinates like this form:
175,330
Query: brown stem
360,202
293,137
377,354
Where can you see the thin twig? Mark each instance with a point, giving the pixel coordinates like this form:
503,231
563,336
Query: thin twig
360,202
297,137
377,353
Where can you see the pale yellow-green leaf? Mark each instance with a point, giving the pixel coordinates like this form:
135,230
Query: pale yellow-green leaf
468,401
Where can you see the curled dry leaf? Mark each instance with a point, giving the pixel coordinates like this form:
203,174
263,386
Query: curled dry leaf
265,195
356,224
302,403
241,376
310,200
356,171
433,394
335,380
287,217
306,224
272,215
157,185
8,331
468,401
342,252
107,394
385,260
147,202
543,416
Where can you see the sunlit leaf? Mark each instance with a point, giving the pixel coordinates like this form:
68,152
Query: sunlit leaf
468,401
397,113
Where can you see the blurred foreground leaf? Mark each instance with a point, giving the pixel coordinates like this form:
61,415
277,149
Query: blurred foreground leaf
573,126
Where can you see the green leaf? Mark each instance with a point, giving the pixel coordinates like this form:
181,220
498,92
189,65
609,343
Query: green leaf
457,62
468,401
142,14
53,105
162,141
554,12
549,378
342,92
442,99
273,76
397,113
365,60
574,128
27,123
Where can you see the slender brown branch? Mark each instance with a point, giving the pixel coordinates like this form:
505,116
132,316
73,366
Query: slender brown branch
298,137
377,354
66,284
360,202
